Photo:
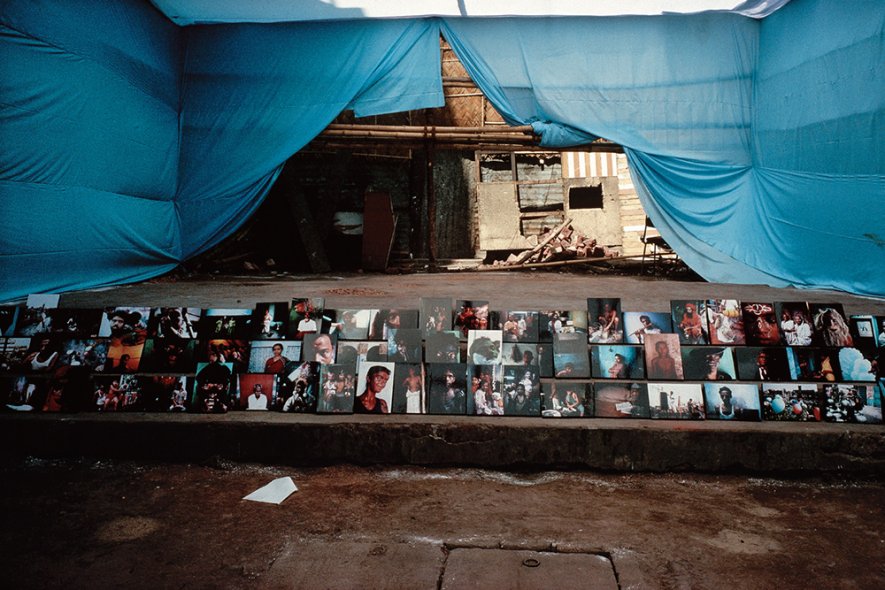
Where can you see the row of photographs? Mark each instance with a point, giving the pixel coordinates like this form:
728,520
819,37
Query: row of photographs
661,356
447,389
696,322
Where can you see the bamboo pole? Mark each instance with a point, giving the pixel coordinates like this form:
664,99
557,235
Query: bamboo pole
413,135
490,267
430,128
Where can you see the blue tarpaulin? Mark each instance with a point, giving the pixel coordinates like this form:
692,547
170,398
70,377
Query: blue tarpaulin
128,144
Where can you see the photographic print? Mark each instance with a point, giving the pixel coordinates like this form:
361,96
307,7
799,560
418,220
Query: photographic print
880,340
639,323
708,363
298,388
447,388
572,399
174,322
551,323
804,364
305,316
830,326
544,359
735,401
442,347
43,355
44,300
234,352
13,352
23,393
517,326
35,319
408,389
860,404
814,364
8,319
353,354
519,353
486,397
128,325
663,357
688,321
117,393
864,331
168,355
75,322
406,346
374,388
725,322
212,386
522,391
337,389
353,324
54,400
436,315
617,361
384,323
621,400
858,364
795,322
571,358
164,393
484,347
218,323
760,324
319,348
676,401
271,357
123,358
791,402
762,364
256,391
471,315
270,321
604,320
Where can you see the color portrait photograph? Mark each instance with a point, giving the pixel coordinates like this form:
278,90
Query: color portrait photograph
733,401
663,357
617,361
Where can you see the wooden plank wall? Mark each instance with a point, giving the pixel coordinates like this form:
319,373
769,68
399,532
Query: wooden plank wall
632,213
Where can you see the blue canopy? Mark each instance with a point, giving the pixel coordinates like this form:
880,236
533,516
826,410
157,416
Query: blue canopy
130,144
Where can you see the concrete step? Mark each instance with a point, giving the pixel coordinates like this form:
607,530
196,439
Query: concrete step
497,443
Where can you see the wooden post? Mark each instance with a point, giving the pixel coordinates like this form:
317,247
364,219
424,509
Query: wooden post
431,202
307,231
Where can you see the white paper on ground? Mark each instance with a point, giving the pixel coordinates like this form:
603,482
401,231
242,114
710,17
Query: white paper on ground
274,492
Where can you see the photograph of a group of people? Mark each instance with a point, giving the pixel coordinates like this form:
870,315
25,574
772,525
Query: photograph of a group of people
447,357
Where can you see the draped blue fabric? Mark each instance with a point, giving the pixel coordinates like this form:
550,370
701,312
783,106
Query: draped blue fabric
129,144
88,144
276,88
756,147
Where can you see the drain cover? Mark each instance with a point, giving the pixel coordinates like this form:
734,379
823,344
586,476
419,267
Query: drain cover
500,568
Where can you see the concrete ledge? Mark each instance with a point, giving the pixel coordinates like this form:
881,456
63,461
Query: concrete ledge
503,443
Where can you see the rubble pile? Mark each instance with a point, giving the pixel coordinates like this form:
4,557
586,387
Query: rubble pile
558,244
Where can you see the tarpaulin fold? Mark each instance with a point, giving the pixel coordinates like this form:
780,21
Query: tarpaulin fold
756,147
129,144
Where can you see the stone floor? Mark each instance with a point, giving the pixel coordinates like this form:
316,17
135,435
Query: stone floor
102,524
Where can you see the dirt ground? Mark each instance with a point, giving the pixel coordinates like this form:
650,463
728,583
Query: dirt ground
86,524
